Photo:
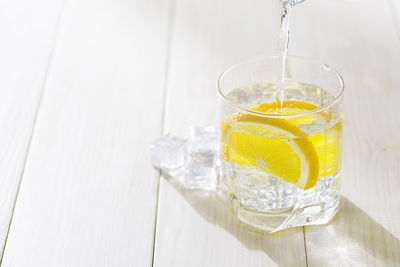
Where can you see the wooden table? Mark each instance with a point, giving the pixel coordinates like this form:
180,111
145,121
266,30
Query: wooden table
86,85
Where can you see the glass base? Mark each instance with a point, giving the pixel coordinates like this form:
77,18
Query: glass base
272,222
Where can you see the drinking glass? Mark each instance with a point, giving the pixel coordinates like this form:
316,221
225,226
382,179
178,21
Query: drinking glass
280,157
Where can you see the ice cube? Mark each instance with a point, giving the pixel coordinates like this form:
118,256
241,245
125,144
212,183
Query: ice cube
201,171
248,197
169,154
202,168
242,96
267,198
204,139
317,125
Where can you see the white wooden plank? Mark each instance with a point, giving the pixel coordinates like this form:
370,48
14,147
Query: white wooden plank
394,7
27,32
359,38
88,194
195,228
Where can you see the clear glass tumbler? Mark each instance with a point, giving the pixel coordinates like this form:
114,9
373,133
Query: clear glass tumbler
281,156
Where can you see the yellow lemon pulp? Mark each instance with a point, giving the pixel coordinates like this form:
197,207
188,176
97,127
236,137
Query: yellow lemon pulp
278,146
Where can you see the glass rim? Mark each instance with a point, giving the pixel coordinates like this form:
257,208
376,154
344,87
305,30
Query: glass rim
335,100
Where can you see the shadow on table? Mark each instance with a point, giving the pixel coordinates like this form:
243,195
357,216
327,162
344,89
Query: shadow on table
353,238
346,239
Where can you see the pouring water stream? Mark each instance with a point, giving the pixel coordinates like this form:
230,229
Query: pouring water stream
287,9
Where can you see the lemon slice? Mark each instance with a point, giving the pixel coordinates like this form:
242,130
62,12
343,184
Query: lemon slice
272,145
278,146
327,143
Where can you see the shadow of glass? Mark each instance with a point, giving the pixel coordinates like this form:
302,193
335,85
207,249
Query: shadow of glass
286,248
352,238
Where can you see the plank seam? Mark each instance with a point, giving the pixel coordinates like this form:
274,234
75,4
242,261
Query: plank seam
171,24
35,118
305,245
395,18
